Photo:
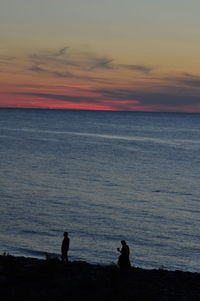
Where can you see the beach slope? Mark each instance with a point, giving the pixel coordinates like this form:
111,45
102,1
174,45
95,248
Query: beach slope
24,278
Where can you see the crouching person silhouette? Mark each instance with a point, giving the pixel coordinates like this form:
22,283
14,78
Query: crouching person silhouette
65,247
123,260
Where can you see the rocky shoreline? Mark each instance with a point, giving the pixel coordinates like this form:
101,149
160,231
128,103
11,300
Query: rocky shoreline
24,278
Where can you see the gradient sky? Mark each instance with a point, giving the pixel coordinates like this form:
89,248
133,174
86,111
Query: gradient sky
104,55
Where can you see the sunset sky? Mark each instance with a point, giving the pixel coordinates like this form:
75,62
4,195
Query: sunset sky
139,55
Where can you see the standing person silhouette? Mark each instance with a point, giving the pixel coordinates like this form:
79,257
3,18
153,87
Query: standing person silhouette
65,247
123,260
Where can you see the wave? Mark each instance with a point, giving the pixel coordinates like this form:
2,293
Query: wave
173,192
32,232
36,253
101,136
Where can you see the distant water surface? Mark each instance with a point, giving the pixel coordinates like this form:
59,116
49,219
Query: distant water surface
103,177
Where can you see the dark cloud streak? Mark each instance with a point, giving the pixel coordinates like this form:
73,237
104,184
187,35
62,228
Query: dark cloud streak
188,80
82,60
140,68
101,63
150,98
121,98
61,51
61,97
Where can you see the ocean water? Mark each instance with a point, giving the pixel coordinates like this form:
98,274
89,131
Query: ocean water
103,177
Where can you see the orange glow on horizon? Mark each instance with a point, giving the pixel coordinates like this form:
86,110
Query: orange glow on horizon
22,101
141,55
107,86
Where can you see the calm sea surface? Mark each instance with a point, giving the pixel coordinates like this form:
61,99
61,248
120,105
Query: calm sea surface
103,177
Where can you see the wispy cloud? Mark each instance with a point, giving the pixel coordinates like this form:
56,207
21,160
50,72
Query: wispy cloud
36,68
145,88
187,79
162,98
7,59
66,62
72,58
39,69
122,99
64,74
61,51
140,68
81,60
62,97
102,63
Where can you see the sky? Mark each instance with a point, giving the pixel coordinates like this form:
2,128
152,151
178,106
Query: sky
132,55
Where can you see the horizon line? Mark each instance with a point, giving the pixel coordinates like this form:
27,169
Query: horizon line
93,110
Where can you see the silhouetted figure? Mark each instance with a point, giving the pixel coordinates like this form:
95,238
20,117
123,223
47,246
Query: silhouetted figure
123,260
65,247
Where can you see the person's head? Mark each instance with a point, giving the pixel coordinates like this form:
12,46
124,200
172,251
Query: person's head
123,242
65,234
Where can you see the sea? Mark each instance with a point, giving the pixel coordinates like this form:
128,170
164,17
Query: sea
103,177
